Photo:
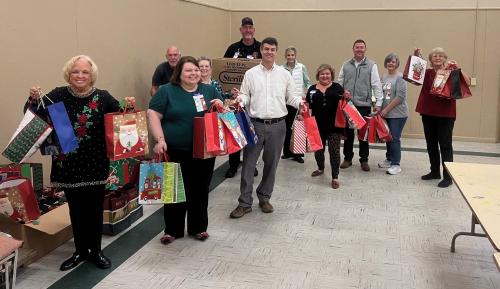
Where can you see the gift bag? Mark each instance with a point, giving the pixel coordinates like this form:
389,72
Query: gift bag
200,140
298,139
235,137
126,134
363,132
63,139
214,132
439,83
383,132
314,142
340,120
415,70
161,183
458,86
31,132
18,200
246,126
120,172
354,118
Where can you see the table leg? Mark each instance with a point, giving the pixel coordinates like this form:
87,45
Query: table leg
472,232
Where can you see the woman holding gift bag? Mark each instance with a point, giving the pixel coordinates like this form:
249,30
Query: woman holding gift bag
82,173
170,115
438,117
323,98
394,110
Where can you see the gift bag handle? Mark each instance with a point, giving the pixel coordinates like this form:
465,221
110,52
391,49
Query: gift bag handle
161,157
42,103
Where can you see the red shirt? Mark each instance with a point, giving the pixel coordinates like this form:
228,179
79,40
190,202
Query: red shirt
433,105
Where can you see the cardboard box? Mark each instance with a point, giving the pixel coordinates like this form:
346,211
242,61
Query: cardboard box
53,229
230,71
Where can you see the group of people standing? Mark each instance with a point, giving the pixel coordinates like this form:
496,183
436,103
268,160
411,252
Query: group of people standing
273,96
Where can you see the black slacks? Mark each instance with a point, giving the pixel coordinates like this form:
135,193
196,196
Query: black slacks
86,214
349,141
197,174
439,136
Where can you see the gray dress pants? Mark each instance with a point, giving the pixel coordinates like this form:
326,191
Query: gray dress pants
271,138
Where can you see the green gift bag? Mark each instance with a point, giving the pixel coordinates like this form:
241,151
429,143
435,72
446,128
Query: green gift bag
161,183
32,131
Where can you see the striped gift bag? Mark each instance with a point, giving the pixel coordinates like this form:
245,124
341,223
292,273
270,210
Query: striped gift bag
298,140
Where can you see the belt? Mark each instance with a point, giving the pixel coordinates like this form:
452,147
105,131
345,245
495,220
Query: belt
269,120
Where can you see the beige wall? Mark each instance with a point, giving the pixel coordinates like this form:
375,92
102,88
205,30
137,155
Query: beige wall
127,39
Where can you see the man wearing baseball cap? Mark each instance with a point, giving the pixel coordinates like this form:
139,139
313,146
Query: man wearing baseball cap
247,47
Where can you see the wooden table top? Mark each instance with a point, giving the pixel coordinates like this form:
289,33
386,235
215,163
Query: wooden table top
480,187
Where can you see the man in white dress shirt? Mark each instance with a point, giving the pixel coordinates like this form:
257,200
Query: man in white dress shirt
265,91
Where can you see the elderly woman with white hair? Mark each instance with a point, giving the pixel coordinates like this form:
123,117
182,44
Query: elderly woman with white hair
438,117
395,111
82,173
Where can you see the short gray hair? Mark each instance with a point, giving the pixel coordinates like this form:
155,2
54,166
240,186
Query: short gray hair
437,50
205,58
291,48
70,63
390,57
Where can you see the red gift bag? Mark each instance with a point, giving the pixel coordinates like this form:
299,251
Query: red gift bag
340,120
18,200
313,138
200,141
440,85
126,134
356,120
415,70
214,132
372,130
383,132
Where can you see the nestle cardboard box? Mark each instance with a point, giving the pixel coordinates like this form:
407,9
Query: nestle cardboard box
230,71
53,229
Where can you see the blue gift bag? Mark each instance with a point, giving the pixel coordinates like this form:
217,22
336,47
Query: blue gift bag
66,138
247,127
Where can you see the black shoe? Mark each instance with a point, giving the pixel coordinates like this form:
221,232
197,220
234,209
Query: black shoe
284,157
444,183
256,172
230,173
431,176
73,261
100,260
300,160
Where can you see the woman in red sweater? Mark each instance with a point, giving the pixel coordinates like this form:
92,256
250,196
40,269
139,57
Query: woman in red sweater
438,117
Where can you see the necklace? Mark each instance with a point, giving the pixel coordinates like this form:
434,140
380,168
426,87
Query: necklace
81,95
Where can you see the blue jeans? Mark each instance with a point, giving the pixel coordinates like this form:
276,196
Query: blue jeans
393,153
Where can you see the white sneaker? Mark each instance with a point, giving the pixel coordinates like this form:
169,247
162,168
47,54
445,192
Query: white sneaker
394,170
385,164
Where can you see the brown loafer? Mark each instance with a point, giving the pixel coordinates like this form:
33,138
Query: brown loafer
240,212
365,167
335,184
266,207
317,173
345,164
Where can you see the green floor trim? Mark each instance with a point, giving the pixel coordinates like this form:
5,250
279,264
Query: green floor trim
87,275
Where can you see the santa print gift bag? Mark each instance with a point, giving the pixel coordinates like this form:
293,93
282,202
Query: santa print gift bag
126,134
30,133
18,200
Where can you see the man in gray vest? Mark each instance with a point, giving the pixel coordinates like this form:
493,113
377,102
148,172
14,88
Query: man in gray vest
359,76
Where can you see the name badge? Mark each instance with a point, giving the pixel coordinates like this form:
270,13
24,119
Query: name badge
311,93
199,102
250,56
236,54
